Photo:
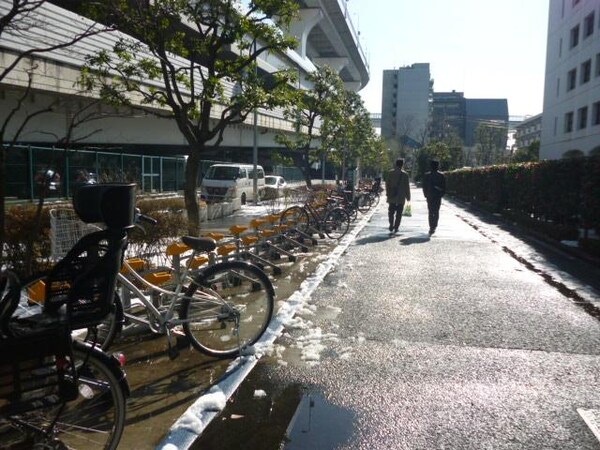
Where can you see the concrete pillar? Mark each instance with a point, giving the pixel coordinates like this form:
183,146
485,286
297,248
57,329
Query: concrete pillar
300,29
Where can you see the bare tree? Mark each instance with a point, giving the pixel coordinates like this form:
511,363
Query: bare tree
21,18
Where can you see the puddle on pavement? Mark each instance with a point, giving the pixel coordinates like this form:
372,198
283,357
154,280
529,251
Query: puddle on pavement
264,417
318,424
161,389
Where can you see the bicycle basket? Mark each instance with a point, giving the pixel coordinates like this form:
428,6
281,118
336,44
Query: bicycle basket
66,228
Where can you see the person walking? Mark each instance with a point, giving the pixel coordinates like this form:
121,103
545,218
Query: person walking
434,188
398,191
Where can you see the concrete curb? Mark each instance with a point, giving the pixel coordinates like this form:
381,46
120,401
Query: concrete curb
198,416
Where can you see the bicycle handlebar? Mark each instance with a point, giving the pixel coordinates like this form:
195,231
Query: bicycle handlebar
139,217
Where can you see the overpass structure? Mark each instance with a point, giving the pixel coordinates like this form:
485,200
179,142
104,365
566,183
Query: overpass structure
325,35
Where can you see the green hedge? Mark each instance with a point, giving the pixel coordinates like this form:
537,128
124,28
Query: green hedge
557,197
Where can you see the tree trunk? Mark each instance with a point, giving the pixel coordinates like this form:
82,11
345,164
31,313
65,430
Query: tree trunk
190,191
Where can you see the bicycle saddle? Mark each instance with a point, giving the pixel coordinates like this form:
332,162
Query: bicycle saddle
200,244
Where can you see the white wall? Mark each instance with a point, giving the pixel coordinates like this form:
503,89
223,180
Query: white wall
560,59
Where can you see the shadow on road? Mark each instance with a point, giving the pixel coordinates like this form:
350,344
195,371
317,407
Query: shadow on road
415,240
375,238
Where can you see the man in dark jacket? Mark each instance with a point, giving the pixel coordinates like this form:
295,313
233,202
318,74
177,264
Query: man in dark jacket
434,188
398,191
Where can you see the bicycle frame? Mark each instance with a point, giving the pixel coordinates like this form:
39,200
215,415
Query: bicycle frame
164,319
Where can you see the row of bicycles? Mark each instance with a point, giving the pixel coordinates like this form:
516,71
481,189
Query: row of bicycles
60,387
331,212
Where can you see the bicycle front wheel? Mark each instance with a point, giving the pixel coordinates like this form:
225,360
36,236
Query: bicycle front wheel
296,217
95,419
336,223
227,308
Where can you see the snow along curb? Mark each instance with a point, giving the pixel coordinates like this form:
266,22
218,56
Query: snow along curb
196,418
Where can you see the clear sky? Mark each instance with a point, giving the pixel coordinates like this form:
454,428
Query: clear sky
484,48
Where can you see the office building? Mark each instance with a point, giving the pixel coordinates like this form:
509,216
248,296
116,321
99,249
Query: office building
571,114
529,131
406,104
449,112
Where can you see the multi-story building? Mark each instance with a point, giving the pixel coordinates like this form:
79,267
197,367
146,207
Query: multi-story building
325,35
452,113
529,131
449,111
571,114
406,103
484,111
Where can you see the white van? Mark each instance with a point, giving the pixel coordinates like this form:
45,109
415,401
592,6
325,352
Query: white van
228,181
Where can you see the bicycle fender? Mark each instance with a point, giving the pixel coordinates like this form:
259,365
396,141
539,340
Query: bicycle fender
110,361
201,277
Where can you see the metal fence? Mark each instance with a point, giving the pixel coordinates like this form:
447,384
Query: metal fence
28,167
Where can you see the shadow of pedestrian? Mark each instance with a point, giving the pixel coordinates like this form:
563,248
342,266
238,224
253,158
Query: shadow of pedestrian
415,240
375,238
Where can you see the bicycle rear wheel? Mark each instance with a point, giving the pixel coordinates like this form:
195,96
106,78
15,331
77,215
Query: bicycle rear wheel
227,308
103,334
336,223
374,199
95,419
296,217
363,203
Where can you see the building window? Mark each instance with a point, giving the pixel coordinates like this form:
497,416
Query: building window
569,122
588,25
596,113
557,87
597,71
571,79
574,36
555,125
560,48
586,71
582,116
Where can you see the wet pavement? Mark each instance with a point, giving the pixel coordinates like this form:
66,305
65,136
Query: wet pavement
163,389
462,340
477,337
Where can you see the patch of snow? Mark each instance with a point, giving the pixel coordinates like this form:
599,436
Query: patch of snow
259,393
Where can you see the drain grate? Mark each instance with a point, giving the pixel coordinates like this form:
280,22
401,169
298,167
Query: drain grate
592,419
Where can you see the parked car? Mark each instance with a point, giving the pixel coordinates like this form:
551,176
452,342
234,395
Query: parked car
274,186
275,181
229,181
49,179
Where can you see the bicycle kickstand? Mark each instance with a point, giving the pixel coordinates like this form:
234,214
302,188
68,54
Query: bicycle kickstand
173,347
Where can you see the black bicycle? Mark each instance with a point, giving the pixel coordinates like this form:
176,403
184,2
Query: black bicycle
317,216
57,392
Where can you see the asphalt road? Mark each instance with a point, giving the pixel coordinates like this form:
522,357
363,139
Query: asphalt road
470,339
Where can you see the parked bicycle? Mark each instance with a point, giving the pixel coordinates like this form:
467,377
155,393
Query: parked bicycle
221,308
317,216
57,393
